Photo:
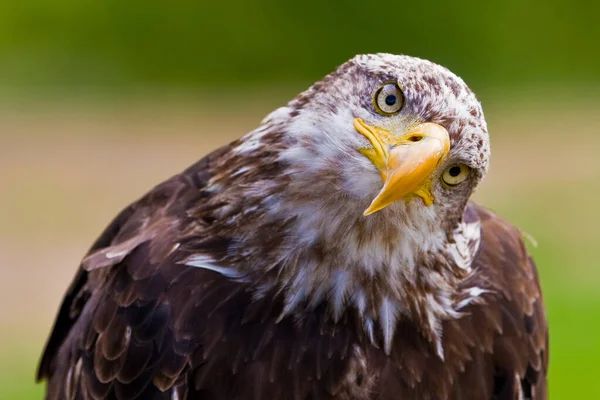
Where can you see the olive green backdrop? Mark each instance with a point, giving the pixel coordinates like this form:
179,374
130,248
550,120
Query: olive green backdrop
70,43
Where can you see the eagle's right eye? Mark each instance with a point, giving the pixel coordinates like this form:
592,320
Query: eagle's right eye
388,99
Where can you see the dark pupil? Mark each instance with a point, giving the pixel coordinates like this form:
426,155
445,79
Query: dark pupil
390,100
454,171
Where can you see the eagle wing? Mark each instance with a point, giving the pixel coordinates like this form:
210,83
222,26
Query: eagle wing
138,323
511,321
113,334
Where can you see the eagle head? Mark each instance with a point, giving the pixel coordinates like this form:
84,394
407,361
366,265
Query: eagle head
389,131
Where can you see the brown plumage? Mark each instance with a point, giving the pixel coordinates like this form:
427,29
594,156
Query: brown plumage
219,284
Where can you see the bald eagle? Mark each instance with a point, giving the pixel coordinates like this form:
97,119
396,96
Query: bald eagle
331,253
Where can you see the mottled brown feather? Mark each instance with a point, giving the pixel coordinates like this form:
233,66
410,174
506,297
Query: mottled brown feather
198,330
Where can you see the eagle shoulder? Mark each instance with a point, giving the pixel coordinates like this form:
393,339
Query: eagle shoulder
513,312
497,348
88,293
139,323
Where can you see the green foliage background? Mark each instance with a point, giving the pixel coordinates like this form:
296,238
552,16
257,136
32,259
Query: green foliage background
69,43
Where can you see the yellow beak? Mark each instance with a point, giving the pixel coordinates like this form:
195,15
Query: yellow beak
405,163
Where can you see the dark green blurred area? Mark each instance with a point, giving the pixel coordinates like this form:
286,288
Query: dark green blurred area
126,44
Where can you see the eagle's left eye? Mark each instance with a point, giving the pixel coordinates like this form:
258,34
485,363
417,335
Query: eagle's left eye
455,174
388,99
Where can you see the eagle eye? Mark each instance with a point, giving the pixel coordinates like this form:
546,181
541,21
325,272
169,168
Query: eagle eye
388,99
455,174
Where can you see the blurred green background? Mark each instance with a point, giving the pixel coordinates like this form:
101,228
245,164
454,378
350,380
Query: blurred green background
99,101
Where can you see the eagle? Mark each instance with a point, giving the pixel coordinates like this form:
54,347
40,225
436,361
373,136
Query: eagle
331,253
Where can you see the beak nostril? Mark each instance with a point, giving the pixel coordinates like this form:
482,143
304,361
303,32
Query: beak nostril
415,138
